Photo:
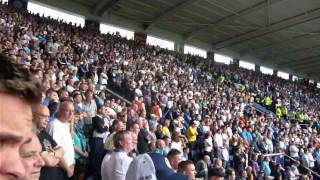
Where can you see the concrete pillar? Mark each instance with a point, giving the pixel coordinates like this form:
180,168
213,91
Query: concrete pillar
179,47
20,4
257,68
290,77
92,25
275,72
236,62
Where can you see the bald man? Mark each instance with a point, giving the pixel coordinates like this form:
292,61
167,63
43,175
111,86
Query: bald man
59,129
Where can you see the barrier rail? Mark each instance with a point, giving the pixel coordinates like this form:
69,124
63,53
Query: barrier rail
117,95
279,154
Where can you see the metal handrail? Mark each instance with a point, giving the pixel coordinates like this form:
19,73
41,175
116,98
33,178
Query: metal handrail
278,154
117,95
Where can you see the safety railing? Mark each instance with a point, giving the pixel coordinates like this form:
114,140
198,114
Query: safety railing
294,160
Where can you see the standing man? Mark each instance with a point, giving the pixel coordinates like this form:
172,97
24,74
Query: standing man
59,129
115,166
100,126
17,93
51,152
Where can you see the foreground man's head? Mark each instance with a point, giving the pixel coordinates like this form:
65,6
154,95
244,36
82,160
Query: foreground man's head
17,93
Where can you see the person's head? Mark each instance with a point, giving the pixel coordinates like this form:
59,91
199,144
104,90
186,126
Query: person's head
17,92
45,85
206,159
117,125
77,98
123,140
40,116
174,157
167,140
218,163
65,112
187,168
176,136
231,174
89,95
102,111
31,159
160,144
135,128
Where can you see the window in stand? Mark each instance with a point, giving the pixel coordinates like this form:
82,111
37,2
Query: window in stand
222,59
246,65
162,43
266,70
48,11
195,51
283,75
107,28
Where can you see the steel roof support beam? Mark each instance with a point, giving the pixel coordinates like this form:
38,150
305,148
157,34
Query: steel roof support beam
104,6
170,12
284,54
298,62
230,18
254,50
299,19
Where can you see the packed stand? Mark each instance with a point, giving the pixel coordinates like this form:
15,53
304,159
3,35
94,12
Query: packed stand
193,118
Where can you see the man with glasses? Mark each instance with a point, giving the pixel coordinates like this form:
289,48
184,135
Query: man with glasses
51,153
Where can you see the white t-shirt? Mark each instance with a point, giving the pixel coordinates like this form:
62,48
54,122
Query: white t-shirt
294,151
115,166
176,145
60,132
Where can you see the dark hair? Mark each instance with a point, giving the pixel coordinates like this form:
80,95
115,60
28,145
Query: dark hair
17,81
183,165
172,153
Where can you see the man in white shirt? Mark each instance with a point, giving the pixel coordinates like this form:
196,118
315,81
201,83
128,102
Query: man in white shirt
59,129
115,166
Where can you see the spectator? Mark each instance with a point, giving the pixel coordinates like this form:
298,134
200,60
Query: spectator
115,166
59,129
31,158
51,152
187,168
174,158
202,167
100,125
19,93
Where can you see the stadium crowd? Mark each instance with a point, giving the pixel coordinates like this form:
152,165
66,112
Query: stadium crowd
193,118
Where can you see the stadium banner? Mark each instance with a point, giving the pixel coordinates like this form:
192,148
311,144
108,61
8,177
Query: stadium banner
140,37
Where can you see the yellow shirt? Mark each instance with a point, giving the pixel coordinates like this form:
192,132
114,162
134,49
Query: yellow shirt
192,134
165,131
